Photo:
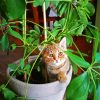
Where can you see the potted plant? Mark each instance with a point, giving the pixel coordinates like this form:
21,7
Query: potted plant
30,42
74,20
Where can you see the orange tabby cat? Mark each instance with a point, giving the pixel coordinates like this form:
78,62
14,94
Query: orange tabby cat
56,61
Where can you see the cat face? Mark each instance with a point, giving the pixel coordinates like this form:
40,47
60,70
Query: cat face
53,55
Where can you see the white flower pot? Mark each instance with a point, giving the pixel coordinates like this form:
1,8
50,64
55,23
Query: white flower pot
48,91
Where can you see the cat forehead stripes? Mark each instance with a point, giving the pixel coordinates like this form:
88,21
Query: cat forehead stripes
51,47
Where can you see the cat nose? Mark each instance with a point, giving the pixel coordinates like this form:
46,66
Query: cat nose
55,58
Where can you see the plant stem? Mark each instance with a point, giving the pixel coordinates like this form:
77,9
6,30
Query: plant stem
10,77
78,50
96,72
35,24
89,36
14,22
67,17
29,1
92,78
24,27
33,67
41,27
24,39
44,17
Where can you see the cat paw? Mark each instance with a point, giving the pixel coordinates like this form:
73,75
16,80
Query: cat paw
62,77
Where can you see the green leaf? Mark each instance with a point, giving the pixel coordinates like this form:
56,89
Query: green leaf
47,3
29,39
91,87
95,34
12,66
95,45
88,33
82,15
96,66
54,32
15,8
73,16
55,3
38,3
79,30
97,58
5,42
73,26
13,46
36,42
75,68
77,60
3,23
8,94
37,29
14,33
69,39
78,88
27,67
62,21
3,9
22,63
62,9
90,8
59,23
98,91
33,33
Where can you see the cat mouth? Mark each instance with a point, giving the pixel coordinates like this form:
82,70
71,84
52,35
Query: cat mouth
56,63
57,67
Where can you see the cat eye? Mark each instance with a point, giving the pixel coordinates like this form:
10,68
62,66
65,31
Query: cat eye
51,55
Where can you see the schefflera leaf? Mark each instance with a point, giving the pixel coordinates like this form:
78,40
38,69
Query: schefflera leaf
14,33
8,94
15,8
38,3
77,60
98,91
97,58
5,42
78,88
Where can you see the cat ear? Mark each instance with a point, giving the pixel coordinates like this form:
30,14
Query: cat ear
62,43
